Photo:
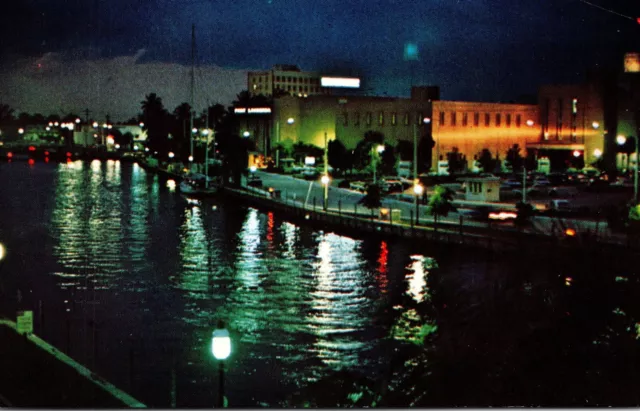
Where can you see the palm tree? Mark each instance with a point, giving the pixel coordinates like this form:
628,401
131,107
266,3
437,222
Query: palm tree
440,203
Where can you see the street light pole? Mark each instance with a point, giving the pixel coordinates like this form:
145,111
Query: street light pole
221,348
277,143
635,176
326,172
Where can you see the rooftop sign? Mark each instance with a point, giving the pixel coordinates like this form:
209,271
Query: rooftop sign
252,110
348,82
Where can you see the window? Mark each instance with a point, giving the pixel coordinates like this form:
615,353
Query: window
574,106
442,118
498,119
345,119
368,120
419,118
476,119
381,118
518,120
453,118
393,119
356,119
508,120
259,79
277,78
406,119
487,119
465,119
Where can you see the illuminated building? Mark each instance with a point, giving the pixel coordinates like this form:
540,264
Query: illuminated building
287,78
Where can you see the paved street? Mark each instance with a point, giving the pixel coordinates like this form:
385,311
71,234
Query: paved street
307,192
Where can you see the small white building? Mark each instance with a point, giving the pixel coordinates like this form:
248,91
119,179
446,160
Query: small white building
485,189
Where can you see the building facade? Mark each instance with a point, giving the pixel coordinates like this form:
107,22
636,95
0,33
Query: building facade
285,79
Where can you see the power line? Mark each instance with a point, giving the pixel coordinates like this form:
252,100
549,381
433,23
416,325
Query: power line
608,10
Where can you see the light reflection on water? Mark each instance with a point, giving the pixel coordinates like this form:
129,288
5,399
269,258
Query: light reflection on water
156,271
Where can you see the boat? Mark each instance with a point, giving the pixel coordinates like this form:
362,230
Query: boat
198,185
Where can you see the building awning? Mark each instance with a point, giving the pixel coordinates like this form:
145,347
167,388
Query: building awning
556,146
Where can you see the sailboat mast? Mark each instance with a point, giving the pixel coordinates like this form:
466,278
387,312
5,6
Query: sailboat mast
193,63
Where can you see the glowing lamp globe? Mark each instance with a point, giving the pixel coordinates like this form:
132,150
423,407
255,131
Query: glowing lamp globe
621,139
418,189
221,344
325,179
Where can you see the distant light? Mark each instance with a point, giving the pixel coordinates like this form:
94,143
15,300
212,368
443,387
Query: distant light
567,281
194,130
530,123
109,126
104,125
253,169
32,148
31,161
246,134
95,124
259,110
347,82
68,154
380,148
171,155
110,140
117,146
190,158
135,148
77,121
621,139
418,189
141,124
597,153
325,179
576,153
56,124
48,128
2,251
290,120
171,184
426,120
146,149
570,232
309,161
240,110
9,154
21,130
51,124
595,125
205,132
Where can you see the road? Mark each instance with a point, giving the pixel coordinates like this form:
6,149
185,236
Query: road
309,192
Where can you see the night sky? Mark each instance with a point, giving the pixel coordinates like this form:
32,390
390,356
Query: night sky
475,50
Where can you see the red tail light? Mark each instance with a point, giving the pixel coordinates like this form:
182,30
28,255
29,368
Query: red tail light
9,154
68,154
32,148
31,162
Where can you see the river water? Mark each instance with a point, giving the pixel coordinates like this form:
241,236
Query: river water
130,278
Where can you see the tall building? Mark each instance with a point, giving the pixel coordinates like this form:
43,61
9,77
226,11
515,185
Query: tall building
287,79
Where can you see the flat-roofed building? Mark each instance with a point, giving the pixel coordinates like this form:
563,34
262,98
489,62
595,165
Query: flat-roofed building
285,79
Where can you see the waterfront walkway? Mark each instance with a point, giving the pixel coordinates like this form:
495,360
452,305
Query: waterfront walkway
36,374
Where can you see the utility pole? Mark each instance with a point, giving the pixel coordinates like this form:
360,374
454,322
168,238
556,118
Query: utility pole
415,169
278,143
193,62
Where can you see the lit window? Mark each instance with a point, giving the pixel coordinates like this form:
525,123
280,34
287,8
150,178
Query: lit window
381,118
406,119
574,106
393,119
368,120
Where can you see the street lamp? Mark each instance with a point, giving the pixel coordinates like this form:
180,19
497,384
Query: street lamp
221,348
418,189
246,134
325,182
2,252
621,140
379,149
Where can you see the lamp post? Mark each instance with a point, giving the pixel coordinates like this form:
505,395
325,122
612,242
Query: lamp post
621,140
221,348
379,149
325,178
418,189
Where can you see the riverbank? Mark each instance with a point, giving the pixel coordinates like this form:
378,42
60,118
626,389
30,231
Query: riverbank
36,374
498,238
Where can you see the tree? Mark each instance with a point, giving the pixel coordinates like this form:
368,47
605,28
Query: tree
425,153
337,153
302,150
6,114
525,212
439,203
514,158
486,161
404,149
373,197
155,118
457,160
362,152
